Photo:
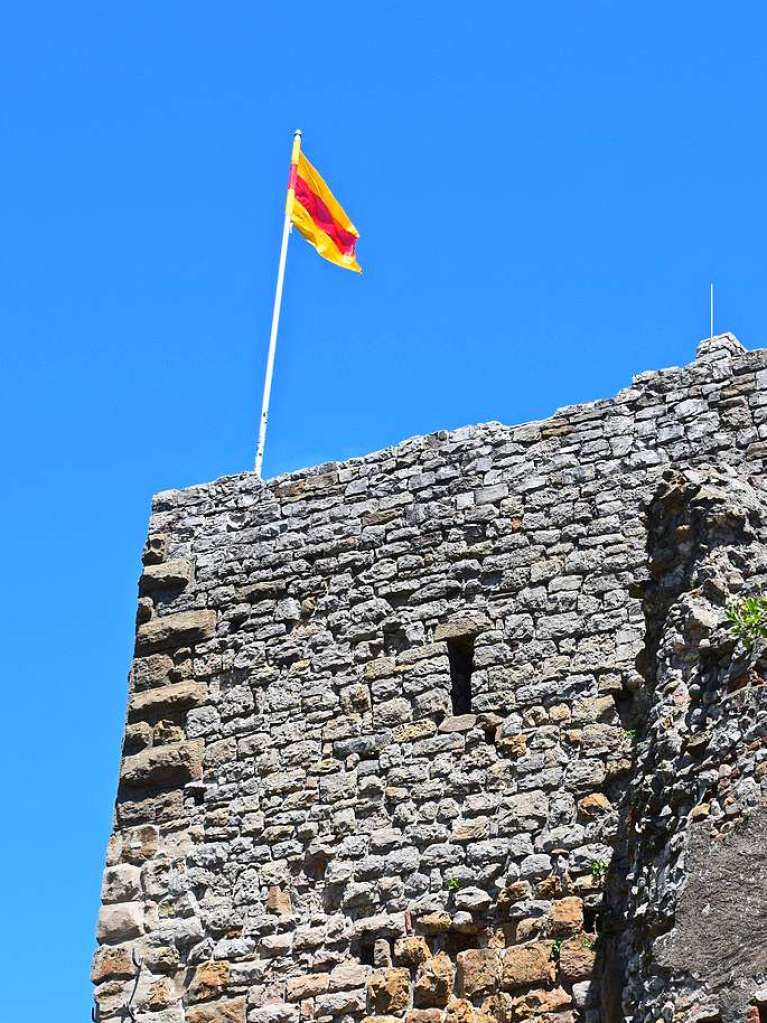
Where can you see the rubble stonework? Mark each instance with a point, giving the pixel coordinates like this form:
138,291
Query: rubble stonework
455,732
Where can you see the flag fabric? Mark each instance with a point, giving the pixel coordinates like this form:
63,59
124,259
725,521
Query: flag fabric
320,217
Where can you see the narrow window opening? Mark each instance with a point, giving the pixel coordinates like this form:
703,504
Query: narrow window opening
460,653
762,1010
366,953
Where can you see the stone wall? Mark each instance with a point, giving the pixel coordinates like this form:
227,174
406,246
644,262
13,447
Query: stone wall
397,741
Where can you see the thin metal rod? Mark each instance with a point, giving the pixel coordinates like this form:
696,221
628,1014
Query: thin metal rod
276,313
711,309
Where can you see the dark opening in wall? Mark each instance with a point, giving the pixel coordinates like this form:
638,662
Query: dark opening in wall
456,942
460,653
364,951
762,1010
590,919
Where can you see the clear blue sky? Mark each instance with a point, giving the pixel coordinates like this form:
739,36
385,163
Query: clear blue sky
543,191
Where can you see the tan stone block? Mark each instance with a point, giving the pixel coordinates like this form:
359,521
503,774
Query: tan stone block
435,923
172,765
162,958
549,887
160,807
513,745
566,915
179,696
576,958
424,1016
514,892
478,971
459,1010
209,981
471,831
184,628
120,922
348,975
469,625
140,844
147,672
593,805
230,1011
166,575
434,982
160,994
278,901
534,1003
309,985
529,929
412,951
389,990
527,964
114,961
121,883
415,730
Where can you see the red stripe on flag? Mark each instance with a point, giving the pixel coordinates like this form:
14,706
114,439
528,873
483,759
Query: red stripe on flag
323,218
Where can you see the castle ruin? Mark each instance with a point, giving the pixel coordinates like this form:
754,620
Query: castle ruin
456,732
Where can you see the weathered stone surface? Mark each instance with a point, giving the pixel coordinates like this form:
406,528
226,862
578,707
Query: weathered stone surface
412,951
536,1003
566,915
169,698
576,958
434,982
209,981
278,901
174,630
231,1010
174,764
121,883
112,962
166,575
478,972
307,986
527,964
389,990
120,922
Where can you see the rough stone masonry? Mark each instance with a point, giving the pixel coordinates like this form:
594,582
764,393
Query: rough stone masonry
456,732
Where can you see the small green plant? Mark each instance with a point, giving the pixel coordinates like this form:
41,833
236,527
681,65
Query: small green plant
599,869
748,619
556,950
588,942
453,884
630,733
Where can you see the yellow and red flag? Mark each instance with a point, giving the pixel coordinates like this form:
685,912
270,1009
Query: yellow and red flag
319,216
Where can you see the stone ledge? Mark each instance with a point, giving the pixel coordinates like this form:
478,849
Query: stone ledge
179,696
175,764
167,575
180,629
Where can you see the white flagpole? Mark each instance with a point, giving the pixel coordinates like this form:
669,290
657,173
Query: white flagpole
276,312
711,309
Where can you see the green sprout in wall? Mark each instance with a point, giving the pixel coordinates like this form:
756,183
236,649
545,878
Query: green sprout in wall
556,950
599,869
453,884
748,619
